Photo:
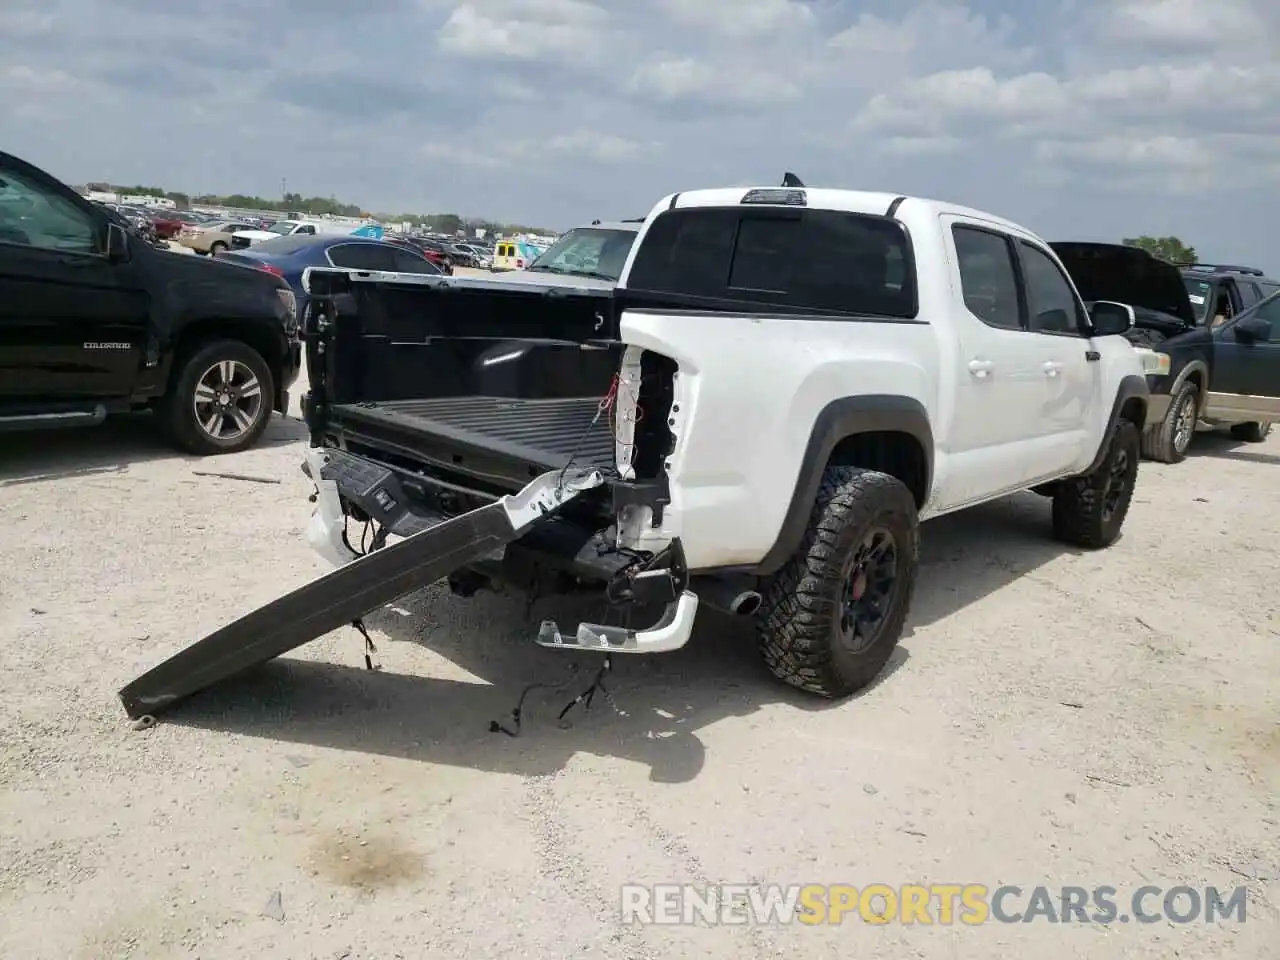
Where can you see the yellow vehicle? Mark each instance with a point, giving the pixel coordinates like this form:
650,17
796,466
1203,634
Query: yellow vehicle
513,255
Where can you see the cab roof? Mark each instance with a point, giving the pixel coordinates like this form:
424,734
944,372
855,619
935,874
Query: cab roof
875,203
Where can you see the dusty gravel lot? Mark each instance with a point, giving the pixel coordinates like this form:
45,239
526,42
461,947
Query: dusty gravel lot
1052,718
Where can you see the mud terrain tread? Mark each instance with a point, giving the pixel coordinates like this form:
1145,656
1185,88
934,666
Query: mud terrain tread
796,630
1077,507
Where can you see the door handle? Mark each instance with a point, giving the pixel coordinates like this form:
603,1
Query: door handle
981,368
1052,368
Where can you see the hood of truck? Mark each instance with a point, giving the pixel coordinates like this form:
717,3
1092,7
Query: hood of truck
1112,271
540,278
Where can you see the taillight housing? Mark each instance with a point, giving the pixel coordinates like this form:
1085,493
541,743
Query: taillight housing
519,264
272,269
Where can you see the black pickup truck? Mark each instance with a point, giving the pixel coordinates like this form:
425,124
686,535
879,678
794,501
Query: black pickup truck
94,320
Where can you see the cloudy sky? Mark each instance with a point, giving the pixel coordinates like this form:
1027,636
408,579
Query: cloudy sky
1083,119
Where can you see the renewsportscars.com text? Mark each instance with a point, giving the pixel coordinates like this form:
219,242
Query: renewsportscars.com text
927,904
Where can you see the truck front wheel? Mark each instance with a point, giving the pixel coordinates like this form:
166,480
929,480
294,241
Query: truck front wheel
1168,440
834,613
220,400
1088,511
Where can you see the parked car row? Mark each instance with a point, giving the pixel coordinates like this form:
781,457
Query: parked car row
1204,330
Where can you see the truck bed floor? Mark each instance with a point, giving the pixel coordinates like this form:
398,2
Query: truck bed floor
543,432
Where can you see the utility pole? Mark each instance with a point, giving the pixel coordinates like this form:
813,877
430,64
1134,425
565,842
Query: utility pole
284,188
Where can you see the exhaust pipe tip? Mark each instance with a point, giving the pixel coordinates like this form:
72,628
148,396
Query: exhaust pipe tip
745,604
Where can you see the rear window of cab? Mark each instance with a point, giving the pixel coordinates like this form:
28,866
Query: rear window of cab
813,261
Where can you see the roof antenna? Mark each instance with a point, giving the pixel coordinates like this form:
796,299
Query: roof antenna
789,179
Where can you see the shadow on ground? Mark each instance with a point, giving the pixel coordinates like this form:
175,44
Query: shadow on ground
659,703
1223,446
35,456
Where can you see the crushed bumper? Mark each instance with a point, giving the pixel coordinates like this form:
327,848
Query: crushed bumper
338,475
362,583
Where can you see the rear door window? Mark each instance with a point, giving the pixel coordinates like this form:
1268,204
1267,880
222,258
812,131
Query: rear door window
988,280
810,260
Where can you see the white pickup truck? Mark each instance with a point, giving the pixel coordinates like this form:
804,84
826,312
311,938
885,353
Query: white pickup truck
784,383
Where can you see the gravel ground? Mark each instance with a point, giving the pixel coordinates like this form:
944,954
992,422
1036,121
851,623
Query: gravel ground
1052,718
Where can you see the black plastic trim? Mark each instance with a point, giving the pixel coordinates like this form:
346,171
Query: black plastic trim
845,417
1131,386
893,207
330,601
693,307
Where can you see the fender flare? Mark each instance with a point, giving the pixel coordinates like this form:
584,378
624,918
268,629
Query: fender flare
839,419
1131,386
1192,366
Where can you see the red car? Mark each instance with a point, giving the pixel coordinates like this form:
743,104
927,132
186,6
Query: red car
426,248
169,225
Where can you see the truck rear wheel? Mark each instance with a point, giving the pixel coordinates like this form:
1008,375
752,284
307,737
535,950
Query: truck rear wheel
834,613
1089,511
1168,440
220,400
1251,432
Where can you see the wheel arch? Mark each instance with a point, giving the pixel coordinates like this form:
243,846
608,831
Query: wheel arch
1197,372
891,434
1130,404
197,333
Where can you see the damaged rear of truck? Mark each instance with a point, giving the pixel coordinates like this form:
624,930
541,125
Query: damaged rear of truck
660,444
431,399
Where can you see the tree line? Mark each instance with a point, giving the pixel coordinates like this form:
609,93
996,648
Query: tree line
1166,248
292,203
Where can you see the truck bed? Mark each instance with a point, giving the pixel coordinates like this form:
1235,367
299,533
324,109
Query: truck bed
541,434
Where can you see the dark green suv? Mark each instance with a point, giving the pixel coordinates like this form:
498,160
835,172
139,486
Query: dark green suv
1219,292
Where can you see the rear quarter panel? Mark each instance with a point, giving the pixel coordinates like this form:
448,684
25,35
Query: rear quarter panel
749,391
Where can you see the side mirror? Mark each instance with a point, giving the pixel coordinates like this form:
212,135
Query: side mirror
1109,318
117,243
1252,328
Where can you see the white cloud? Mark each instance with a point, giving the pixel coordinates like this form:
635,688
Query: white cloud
525,30
688,79
1187,24
1074,115
741,19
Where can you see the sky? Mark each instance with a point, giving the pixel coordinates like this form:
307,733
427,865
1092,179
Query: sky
1080,119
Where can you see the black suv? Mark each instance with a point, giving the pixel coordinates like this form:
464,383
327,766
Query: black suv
1220,367
94,320
1219,292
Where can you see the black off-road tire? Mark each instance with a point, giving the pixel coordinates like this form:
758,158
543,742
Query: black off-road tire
1080,515
177,410
799,624
1251,432
1159,440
